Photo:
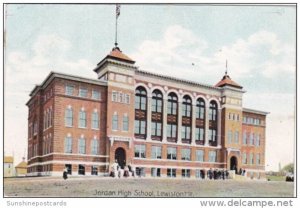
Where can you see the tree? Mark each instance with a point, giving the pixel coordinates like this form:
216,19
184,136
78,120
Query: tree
289,168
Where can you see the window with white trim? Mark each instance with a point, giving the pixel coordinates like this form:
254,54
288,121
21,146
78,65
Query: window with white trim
83,92
68,144
171,153
95,147
69,117
156,152
200,155
115,122
81,146
212,156
185,154
96,95
140,151
95,120
125,123
69,90
82,119
171,172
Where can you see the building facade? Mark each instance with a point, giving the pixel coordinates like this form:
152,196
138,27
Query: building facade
164,126
8,166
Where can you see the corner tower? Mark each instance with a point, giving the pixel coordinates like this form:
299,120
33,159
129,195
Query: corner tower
118,70
231,101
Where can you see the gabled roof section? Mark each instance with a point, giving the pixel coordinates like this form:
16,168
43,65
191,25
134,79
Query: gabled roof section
227,81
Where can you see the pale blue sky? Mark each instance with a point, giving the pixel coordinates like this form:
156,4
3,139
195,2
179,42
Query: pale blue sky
258,41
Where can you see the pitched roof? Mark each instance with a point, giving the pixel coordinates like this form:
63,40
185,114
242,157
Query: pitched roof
116,53
226,80
8,159
22,164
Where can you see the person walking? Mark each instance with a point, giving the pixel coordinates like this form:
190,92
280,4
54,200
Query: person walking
65,173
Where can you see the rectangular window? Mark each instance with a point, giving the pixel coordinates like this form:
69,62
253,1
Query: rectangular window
198,174
156,129
95,120
127,98
171,173
69,90
251,159
156,105
251,139
186,173
81,170
244,159
94,170
156,152
140,127
236,137
229,137
95,147
199,134
121,97
185,132
171,153
96,95
82,92
140,171
68,145
114,96
125,123
140,151
244,137
212,135
69,117
244,120
82,119
81,146
200,155
155,172
186,154
171,130
212,156
115,122
258,140
257,159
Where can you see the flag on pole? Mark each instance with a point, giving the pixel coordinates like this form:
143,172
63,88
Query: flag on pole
118,6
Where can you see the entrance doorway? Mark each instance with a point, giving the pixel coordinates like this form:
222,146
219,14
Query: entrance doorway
120,157
233,164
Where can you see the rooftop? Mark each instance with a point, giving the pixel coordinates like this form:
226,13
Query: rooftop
226,80
8,159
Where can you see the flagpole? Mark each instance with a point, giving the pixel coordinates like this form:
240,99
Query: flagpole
116,34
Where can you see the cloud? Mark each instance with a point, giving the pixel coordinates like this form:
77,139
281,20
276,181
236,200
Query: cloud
181,53
25,69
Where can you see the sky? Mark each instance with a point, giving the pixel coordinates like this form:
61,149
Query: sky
190,42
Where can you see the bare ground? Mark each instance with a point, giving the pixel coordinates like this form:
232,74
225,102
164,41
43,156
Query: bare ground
110,187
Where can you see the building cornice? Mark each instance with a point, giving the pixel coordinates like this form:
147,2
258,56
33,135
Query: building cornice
248,110
184,81
52,75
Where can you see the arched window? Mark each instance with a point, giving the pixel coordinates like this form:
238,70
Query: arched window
140,98
213,111
200,108
186,106
172,104
157,100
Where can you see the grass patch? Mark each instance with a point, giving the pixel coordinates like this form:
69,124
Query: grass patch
276,178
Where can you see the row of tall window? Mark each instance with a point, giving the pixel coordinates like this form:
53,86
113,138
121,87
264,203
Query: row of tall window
32,128
252,121
82,92
47,141
233,137
82,118
234,116
48,118
82,148
172,104
32,150
172,116
249,159
115,122
251,139
120,97
156,153
171,172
